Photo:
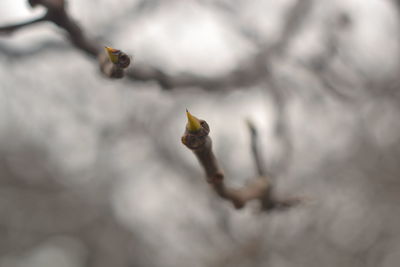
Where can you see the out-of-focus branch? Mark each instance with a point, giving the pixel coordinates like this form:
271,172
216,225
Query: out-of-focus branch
265,61
295,19
196,138
267,199
242,76
77,36
397,4
58,14
9,29
321,66
247,73
254,143
256,69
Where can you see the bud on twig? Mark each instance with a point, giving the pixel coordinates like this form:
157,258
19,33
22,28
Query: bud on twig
196,138
117,57
114,62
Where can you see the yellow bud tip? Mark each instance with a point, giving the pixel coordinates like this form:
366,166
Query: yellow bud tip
112,54
193,124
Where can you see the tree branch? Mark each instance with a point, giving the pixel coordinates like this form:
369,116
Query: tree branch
248,73
58,14
9,29
242,76
199,141
257,157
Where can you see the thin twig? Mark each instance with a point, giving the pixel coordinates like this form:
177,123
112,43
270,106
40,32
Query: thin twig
58,14
9,29
244,75
200,143
254,143
61,18
248,73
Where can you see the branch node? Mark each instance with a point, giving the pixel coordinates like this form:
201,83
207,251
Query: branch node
196,138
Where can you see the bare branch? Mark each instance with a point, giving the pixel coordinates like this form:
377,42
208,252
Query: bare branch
61,18
9,29
257,157
259,189
58,14
248,73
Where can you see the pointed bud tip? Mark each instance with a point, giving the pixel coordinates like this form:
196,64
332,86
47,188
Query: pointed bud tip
112,54
193,124
110,49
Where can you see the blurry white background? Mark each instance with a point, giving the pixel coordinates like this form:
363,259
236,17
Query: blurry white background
92,171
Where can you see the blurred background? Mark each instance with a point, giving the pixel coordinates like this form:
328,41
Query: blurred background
92,171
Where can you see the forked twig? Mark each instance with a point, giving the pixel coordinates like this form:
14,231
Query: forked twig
196,138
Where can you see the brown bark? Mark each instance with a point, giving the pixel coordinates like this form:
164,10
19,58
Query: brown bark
258,189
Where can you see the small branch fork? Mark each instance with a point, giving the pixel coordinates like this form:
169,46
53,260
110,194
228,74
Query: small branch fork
198,140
